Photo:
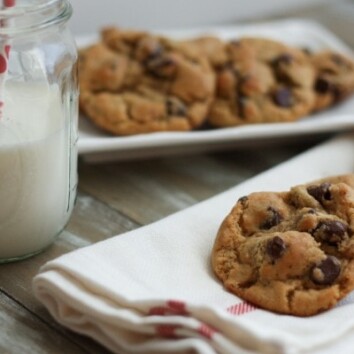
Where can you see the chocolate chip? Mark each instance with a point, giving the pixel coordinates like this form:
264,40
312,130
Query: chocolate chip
243,200
275,248
148,49
338,94
228,66
283,97
323,86
307,51
274,219
161,66
326,272
337,59
175,107
205,126
155,52
235,42
321,192
331,231
285,58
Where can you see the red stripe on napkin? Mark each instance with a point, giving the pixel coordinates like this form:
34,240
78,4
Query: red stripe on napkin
241,308
159,310
9,3
173,307
166,330
206,331
178,307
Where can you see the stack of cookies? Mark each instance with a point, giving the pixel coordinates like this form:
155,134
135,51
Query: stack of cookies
134,82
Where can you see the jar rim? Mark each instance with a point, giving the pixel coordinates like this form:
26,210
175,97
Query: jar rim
38,15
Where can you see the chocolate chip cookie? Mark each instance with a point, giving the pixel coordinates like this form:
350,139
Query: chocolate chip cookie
134,82
102,69
290,252
212,48
262,81
137,112
334,78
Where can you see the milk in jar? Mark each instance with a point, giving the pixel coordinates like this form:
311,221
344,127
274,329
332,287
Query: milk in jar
38,125
35,179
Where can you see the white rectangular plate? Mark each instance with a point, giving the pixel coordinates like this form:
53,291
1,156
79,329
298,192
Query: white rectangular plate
97,145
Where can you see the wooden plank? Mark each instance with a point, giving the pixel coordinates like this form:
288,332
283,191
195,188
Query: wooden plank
220,171
95,221
147,191
144,192
24,333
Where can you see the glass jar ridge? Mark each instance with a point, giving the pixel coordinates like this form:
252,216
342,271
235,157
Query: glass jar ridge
33,15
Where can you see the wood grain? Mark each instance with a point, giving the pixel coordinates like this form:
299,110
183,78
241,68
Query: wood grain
23,333
147,191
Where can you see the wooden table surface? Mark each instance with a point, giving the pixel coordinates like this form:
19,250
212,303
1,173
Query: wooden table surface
119,196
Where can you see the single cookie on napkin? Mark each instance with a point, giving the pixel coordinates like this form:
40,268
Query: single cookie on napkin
290,252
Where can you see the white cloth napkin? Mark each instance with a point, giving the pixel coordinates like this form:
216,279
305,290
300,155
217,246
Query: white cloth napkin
152,290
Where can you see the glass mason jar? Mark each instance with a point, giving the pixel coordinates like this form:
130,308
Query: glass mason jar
38,125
